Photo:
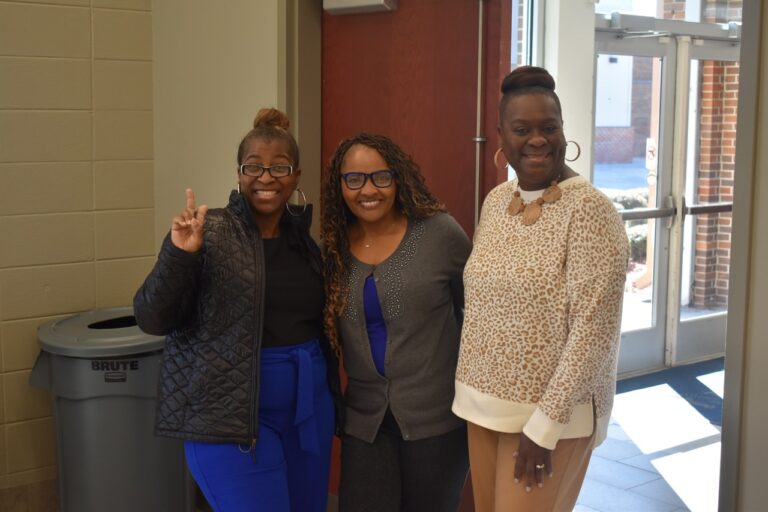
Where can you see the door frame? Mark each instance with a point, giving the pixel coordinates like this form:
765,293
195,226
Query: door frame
677,43
701,337
643,350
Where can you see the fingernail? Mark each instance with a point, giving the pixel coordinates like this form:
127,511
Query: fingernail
527,488
550,475
541,485
514,454
517,480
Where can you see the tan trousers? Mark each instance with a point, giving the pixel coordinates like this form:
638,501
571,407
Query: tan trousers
493,473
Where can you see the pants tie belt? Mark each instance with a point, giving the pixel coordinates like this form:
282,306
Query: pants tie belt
305,420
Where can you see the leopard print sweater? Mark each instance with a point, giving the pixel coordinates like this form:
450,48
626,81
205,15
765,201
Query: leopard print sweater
542,322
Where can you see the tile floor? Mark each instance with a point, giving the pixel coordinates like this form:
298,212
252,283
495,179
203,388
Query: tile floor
663,448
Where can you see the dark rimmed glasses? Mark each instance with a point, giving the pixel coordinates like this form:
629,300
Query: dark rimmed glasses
276,171
380,179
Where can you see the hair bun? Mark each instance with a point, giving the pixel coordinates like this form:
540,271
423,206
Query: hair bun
271,117
525,77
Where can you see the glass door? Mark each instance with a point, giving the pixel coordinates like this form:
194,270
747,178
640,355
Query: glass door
707,200
665,116
634,98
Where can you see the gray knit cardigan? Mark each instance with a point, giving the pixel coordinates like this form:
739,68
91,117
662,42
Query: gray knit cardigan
420,288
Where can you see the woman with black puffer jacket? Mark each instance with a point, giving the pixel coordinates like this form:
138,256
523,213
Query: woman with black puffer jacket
248,379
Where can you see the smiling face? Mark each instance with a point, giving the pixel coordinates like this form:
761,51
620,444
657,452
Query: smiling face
532,139
370,203
267,195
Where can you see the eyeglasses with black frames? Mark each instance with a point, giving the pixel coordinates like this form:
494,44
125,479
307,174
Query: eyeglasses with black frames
380,179
276,171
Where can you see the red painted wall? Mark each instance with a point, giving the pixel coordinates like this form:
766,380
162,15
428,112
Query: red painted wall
411,74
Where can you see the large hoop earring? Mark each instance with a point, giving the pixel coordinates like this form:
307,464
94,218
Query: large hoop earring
238,188
578,150
295,213
496,159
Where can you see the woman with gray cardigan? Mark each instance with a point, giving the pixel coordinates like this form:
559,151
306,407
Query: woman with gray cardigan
393,266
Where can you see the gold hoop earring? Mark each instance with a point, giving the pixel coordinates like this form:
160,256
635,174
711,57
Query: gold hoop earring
291,211
496,159
578,150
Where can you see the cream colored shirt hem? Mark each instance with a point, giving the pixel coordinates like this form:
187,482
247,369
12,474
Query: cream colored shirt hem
513,417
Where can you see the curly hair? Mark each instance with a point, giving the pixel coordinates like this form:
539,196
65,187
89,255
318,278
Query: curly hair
413,199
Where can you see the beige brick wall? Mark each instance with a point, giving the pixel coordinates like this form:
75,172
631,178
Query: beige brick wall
76,198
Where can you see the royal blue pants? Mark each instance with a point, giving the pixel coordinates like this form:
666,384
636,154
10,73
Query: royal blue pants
288,469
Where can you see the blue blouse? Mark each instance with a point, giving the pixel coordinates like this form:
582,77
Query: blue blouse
374,323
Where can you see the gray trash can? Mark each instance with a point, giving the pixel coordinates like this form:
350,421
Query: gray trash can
102,371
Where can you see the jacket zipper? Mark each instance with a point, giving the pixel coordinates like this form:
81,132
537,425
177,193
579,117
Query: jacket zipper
259,318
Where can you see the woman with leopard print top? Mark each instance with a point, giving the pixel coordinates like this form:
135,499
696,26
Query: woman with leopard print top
543,288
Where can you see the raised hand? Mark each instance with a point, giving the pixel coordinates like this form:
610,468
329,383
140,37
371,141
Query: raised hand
187,226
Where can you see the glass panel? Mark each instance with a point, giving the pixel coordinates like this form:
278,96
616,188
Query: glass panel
636,7
708,254
709,179
627,128
721,11
708,11
520,53
524,36
638,294
625,163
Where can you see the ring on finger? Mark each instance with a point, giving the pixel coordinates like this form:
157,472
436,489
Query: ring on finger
540,466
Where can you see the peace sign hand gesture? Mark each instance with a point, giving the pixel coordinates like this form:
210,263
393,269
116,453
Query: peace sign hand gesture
187,226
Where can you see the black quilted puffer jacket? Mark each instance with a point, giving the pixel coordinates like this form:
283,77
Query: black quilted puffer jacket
209,305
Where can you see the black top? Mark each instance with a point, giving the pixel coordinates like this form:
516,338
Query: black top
293,296
209,306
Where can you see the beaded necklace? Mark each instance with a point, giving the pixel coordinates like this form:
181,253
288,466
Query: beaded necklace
532,211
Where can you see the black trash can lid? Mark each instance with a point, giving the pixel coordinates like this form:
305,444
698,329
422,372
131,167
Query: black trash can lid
100,333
